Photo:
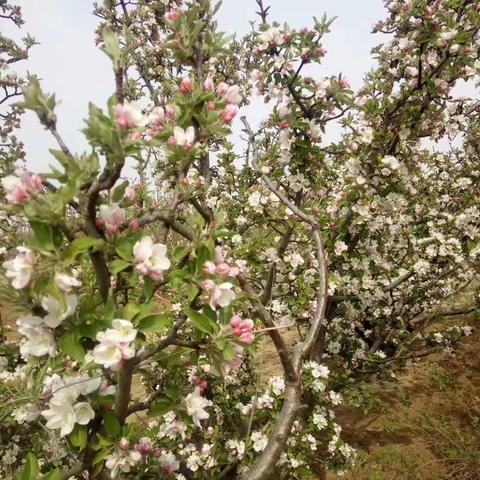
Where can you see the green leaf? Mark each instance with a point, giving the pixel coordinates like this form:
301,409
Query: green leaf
31,469
79,246
53,475
100,455
202,322
79,437
125,251
119,191
70,345
118,266
43,234
112,46
160,407
154,323
111,424
130,310
228,352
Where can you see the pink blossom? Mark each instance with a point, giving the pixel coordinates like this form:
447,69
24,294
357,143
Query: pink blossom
208,84
243,329
232,95
172,15
124,443
66,282
21,186
134,224
170,112
219,255
211,106
20,269
201,384
221,295
222,88
135,136
223,269
128,115
156,120
186,85
150,258
112,216
209,267
229,113
130,194
144,445
208,285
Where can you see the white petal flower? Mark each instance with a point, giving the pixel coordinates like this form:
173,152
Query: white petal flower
150,258
66,282
60,415
57,312
196,404
83,413
20,269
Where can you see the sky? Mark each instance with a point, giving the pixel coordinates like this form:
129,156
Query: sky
70,65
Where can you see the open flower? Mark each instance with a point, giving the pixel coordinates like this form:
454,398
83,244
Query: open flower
38,340
21,187
221,295
60,415
66,282
112,216
128,115
57,311
83,413
150,258
115,344
232,95
196,404
169,462
20,269
183,138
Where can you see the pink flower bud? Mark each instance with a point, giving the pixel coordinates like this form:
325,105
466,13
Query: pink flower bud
209,267
223,269
170,112
208,84
235,321
186,85
222,88
208,285
211,106
285,124
157,452
135,136
172,15
130,194
134,224
234,271
124,443
219,255
229,113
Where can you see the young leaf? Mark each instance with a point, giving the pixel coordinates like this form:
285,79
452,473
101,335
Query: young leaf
201,321
31,468
70,345
79,437
111,424
118,265
112,46
154,323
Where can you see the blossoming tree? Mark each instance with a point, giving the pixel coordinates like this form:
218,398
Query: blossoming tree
143,308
